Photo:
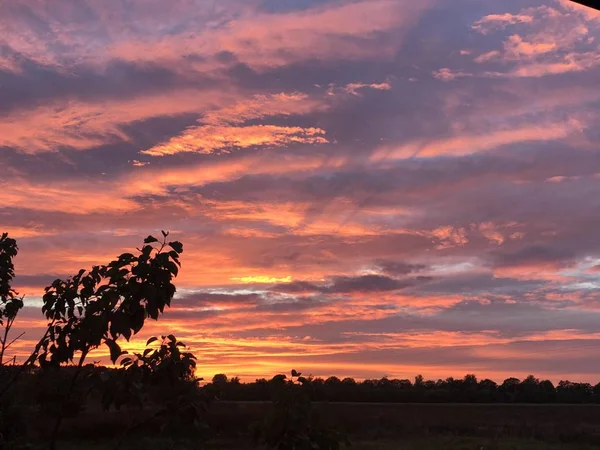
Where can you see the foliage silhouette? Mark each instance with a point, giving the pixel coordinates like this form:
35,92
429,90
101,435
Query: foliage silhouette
108,302
291,423
450,390
10,302
164,378
102,305
98,307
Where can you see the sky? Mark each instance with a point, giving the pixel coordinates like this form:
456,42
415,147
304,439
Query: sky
363,188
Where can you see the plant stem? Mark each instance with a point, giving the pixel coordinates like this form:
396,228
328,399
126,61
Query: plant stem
28,362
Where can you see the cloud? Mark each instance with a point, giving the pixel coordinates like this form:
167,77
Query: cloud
446,74
266,40
396,268
366,283
342,284
351,199
517,48
491,232
470,144
263,279
210,139
572,62
223,130
493,22
355,88
82,126
551,41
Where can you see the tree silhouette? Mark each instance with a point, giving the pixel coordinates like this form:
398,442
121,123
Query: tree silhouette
102,305
10,302
161,376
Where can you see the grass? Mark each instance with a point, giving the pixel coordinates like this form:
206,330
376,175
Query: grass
430,443
369,427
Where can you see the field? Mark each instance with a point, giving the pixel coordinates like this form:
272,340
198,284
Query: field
376,427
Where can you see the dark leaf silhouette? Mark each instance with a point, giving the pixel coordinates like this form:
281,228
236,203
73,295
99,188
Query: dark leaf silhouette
115,350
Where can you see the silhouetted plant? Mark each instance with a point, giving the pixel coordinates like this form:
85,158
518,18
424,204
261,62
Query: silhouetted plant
102,305
162,377
12,421
290,423
10,302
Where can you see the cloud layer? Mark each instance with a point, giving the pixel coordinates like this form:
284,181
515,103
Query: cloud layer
363,188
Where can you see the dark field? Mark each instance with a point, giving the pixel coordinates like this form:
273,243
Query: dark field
375,426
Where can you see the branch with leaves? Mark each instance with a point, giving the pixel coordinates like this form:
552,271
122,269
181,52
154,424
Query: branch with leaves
102,305
10,302
162,376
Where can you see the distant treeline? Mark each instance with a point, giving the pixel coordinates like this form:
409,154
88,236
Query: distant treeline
40,386
466,390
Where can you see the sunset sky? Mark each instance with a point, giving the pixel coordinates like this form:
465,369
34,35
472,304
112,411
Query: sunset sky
363,187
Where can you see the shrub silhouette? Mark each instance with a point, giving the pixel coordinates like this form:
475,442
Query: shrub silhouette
291,424
163,378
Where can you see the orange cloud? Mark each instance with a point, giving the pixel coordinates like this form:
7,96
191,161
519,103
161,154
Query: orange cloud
210,139
222,130
83,125
491,233
450,236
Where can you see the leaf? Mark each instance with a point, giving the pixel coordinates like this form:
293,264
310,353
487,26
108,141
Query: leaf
150,240
126,361
171,338
164,233
120,325
115,350
172,268
151,340
175,256
295,374
177,246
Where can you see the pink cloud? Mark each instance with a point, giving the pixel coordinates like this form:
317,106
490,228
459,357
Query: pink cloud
355,88
264,40
470,144
446,74
516,47
572,62
549,45
498,21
